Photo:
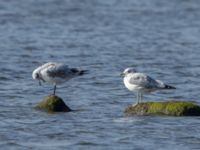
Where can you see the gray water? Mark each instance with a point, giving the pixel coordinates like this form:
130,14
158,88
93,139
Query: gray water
158,37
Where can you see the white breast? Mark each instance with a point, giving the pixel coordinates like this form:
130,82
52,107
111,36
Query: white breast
131,87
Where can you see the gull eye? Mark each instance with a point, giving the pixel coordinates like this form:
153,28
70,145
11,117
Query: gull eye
129,71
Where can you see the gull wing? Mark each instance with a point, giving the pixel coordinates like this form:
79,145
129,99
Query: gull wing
58,70
143,80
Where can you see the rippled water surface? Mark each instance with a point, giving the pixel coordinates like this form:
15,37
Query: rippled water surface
158,37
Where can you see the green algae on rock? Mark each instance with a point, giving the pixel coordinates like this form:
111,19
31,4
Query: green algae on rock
53,104
168,108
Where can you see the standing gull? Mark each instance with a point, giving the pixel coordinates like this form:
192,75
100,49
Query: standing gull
55,73
141,83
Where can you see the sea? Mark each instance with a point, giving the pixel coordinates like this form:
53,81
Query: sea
158,37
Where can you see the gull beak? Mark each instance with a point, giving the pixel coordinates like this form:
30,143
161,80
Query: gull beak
40,83
122,74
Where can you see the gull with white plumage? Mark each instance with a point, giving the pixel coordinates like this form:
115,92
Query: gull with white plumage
55,73
141,83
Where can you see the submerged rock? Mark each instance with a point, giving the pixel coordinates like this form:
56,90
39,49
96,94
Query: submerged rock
53,104
169,108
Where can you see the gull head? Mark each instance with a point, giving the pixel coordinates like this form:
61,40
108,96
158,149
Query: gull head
128,71
36,75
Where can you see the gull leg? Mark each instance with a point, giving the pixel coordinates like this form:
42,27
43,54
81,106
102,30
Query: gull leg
141,97
54,90
138,97
137,100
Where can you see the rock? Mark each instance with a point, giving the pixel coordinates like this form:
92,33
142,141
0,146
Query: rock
53,104
169,108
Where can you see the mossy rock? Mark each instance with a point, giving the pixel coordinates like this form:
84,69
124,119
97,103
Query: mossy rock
53,104
169,108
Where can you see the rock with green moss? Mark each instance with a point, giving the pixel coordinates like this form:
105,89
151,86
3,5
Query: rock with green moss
169,108
53,104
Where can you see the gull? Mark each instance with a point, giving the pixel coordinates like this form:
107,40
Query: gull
55,73
141,83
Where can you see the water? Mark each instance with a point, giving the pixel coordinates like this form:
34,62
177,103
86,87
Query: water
158,37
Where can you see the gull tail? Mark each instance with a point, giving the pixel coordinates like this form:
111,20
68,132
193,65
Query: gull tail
164,86
169,87
82,72
78,71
